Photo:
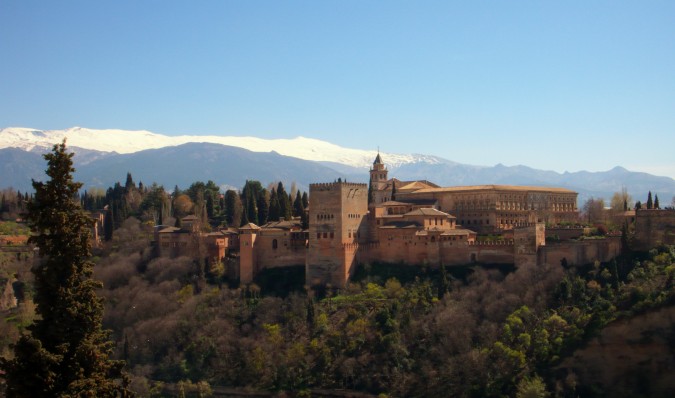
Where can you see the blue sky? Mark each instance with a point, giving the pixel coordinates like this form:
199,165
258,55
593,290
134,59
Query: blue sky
560,85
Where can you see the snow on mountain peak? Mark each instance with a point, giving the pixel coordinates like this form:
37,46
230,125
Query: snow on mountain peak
129,141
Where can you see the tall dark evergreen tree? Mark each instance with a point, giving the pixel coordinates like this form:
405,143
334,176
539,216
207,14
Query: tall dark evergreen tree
263,207
275,210
656,202
108,225
298,208
650,203
251,208
233,208
210,207
289,214
305,200
393,190
129,184
67,353
284,202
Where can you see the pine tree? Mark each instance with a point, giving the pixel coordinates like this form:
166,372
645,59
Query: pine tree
67,353
650,204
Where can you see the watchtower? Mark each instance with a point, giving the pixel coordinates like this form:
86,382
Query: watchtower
337,225
378,174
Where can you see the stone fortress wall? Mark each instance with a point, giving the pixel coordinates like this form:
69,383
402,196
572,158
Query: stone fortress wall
425,225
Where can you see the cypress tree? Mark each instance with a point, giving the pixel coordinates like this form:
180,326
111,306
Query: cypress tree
108,225
305,200
656,202
650,204
67,352
233,208
289,209
210,207
263,207
274,210
393,190
298,208
284,204
251,209
129,184
160,218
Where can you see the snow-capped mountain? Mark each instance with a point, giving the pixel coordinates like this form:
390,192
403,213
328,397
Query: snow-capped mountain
105,156
125,141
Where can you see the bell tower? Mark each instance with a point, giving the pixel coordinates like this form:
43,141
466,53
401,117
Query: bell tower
378,174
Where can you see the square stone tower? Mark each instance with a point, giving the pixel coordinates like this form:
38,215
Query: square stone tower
337,225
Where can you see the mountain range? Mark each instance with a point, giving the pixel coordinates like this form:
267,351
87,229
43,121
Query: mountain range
103,157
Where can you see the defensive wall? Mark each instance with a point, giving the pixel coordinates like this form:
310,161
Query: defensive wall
270,249
654,227
579,252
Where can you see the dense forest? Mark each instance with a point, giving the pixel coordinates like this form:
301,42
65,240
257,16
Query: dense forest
395,330
184,328
154,205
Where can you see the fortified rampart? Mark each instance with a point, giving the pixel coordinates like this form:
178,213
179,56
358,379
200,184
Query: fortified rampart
436,226
654,227
580,252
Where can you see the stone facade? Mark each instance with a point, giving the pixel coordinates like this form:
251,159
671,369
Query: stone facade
189,241
496,208
654,227
337,226
423,225
275,244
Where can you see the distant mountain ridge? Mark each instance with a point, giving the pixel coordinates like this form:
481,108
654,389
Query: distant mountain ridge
126,141
230,165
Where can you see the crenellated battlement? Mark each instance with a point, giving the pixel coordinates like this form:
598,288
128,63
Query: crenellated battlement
328,186
524,225
505,242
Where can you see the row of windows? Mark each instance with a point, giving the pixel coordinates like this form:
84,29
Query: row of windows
475,222
325,235
325,216
350,215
